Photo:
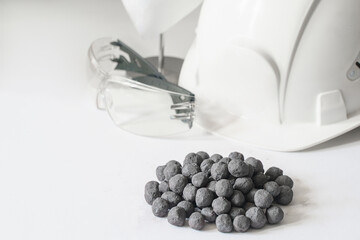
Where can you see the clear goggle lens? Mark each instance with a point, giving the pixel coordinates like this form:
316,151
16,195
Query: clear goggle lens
137,97
144,110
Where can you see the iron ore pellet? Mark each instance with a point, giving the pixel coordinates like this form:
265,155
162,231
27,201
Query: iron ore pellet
164,187
257,217
189,192
211,186
260,179
284,180
225,160
219,171
200,179
241,223
209,214
263,199
196,209
251,171
236,155
187,206
250,195
173,162
216,157
238,168
196,221
204,197
285,196
235,211
244,185
172,198
237,199
273,188
274,214
177,216
248,205
192,158
232,180
160,207
224,223
274,172
189,170
221,205
160,173
206,165
171,169
223,188
177,183
151,192
203,155
257,164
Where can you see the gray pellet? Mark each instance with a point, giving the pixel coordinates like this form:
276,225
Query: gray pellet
219,171
160,173
236,155
206,165
274,172
263,199
241,223
200,179
285,196
171,169
203,155
223,188
273,188
177,216
216,157
187,206
160,207
197,221
164,187
224,223
257,164
274,214
189,192
209,214
172,198
189,170
221,205
238,168
260,179
284,180
257,217
236,211
237,199
151,192
192,158
244,185
177,183
204,197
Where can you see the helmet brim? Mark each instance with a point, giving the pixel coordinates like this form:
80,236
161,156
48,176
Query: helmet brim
277,137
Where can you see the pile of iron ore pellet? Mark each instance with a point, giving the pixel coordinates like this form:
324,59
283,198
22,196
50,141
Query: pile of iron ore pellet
233,192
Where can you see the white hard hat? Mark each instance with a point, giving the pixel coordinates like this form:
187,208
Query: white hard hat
278,74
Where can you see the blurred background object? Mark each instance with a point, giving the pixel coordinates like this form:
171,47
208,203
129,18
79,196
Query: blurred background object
152,18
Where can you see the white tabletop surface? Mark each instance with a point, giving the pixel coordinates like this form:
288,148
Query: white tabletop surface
66,172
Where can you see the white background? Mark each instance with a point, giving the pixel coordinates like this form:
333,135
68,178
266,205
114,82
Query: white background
66,172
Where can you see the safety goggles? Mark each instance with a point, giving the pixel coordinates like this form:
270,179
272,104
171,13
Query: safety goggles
136,95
